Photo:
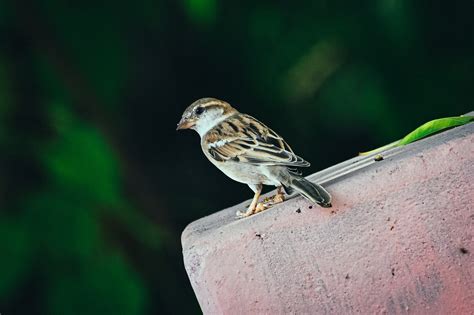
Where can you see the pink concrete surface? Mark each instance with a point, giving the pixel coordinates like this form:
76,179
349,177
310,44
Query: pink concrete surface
398,240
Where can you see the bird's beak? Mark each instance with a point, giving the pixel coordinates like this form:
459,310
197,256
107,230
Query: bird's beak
185,124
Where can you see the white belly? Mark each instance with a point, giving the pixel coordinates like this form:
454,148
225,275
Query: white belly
246,173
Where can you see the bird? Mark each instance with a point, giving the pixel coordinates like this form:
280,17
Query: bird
249,152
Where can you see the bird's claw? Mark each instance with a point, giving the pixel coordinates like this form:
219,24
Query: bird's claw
241,214
258,208
278,198
262,206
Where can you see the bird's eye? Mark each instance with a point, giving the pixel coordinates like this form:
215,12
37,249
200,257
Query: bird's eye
199,110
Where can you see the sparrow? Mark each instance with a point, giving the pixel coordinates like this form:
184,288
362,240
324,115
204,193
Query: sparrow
249,152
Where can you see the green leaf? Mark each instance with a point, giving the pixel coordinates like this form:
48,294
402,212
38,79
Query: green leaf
434,126
424,131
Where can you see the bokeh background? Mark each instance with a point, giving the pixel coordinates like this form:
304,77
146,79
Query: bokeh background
95,183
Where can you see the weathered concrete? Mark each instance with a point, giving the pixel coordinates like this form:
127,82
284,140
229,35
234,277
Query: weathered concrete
399,239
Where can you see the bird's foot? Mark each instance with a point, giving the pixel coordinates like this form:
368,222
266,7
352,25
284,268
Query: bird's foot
245,214
258,208
261,207
278,198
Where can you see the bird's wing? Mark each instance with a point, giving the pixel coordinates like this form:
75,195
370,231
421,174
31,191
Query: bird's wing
243,138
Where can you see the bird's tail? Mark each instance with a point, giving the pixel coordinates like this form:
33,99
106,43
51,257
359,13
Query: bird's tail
311,191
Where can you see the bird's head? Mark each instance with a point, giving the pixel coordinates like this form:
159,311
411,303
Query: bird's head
204,114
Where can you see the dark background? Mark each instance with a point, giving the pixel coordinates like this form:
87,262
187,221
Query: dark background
95,183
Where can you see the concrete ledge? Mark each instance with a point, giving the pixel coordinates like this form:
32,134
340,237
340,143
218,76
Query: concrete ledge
399,239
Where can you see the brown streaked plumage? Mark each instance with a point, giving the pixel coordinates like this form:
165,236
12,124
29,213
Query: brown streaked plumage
249,152
256,143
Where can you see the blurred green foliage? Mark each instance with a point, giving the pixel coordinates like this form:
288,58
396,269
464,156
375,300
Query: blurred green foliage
202,12
96,185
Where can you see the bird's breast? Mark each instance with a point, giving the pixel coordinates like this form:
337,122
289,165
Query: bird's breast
240,172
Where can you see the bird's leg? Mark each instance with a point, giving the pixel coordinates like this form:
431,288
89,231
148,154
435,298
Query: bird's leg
254,205
279,196
261,206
